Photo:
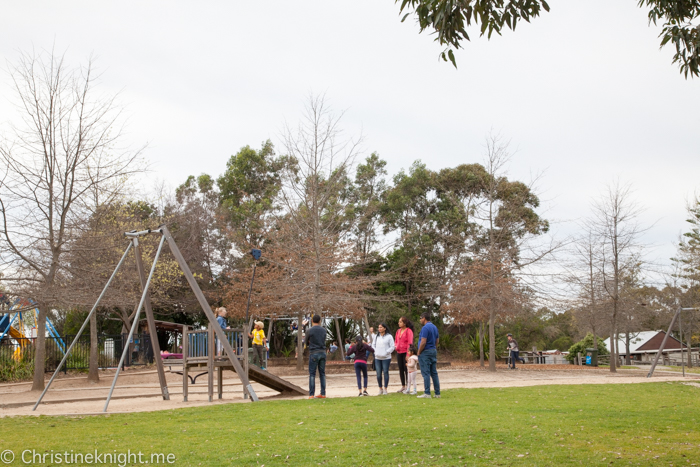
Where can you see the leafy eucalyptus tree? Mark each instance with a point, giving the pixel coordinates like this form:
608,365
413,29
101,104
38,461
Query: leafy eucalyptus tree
451,19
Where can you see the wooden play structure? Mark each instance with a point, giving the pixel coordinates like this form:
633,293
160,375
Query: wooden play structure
199,353
202,351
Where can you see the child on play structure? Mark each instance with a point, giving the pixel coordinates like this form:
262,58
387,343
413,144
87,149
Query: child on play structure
360,349
412,365
221,320
259,344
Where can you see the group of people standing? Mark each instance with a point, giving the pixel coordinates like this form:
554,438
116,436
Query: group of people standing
382,344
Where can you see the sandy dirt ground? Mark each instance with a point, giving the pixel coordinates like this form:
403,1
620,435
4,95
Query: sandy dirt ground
139,391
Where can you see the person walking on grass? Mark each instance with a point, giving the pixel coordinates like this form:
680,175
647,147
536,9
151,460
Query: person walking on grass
360,349
259,344
383,348
428,340
404,339
514,351
412,364
315,340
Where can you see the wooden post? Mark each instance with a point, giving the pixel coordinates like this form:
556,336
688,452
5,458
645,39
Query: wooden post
219,381
269,335
340,339
211,350
300,342
246,331
151,322
185,351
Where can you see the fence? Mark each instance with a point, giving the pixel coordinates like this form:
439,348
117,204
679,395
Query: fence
110,350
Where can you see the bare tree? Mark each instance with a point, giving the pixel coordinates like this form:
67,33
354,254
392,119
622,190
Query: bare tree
62,161
509,223
309,244
614,223
587,283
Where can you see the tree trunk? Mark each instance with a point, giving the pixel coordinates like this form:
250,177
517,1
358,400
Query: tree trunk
40,348
595,338
613,340
93,373
492,340
481,344
628,357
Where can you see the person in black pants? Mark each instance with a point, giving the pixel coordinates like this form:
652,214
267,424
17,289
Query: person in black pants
514,351
360,349
403,340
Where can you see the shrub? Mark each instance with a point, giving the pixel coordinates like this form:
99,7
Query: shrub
586,343
16,370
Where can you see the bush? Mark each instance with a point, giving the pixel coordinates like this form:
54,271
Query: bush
473,345
16,370
586,343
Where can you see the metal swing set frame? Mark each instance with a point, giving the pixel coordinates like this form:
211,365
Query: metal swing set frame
145,303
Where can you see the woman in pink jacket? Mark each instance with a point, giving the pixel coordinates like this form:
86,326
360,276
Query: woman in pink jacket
403,339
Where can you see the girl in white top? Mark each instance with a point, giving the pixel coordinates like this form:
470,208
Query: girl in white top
383,347
412,364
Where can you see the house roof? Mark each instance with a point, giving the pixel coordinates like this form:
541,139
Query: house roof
644,342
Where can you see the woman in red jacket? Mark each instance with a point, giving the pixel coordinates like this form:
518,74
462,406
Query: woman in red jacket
403,339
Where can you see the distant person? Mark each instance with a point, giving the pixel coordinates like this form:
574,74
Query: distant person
333,348
428,340
316,342
383,348
347,347
403,339
360,349
412,365
370,339
221,320
514,351
259,344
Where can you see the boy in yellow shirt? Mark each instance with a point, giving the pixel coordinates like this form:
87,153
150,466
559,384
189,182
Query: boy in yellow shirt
259,344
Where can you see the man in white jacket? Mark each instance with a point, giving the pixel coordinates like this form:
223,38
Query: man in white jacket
383,347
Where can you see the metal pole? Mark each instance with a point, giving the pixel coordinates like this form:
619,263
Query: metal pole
663,343
680,334
250,291
94,307
153,333
134,325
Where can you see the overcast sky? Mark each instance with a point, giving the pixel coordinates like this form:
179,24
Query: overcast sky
583,93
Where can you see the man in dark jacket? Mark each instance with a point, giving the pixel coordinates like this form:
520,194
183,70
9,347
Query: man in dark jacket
316,342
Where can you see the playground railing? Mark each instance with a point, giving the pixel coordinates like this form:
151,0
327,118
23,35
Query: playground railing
198,342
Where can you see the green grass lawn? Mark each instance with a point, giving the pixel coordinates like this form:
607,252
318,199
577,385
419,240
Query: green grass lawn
630,424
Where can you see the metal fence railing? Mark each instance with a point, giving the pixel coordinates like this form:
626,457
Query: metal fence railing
110,350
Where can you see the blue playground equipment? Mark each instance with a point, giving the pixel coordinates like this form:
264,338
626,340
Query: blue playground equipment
13,311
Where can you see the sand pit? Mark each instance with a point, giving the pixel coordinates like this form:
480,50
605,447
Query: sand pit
138,390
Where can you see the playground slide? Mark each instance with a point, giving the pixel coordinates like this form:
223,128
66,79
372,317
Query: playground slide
16,334
274,382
